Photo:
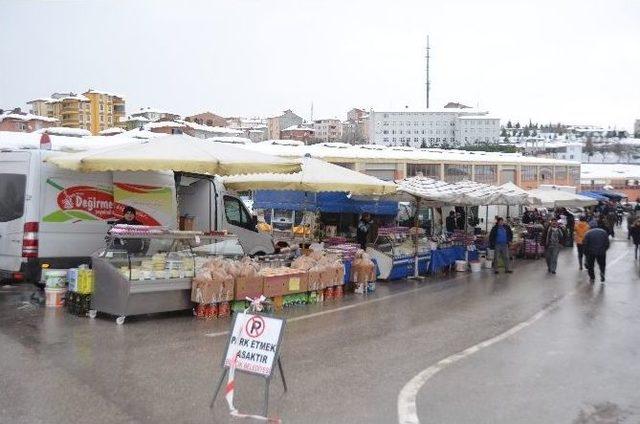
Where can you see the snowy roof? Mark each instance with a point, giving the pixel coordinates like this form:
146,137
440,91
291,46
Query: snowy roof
112,130
164,124
463,111
151,110
230,140
141,134
20,140
26,117
106,93
209,129
298,128
65,131
613,171
378,153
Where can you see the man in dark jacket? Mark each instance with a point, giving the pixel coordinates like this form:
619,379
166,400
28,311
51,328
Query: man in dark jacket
450,222
499,239
595,245
363,230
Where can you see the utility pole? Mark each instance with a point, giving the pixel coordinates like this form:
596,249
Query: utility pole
428,81
311,111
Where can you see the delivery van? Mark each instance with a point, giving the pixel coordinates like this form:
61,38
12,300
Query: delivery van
58,217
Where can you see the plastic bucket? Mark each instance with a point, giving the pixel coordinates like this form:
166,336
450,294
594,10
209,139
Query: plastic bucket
54,298
461,266
54,278
476,266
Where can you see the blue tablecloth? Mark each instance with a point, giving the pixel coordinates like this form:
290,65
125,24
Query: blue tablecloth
443,258
347,270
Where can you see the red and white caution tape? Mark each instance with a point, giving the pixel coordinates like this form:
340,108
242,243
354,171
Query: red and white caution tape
256,305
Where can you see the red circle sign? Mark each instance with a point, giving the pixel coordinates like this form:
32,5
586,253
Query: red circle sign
255,326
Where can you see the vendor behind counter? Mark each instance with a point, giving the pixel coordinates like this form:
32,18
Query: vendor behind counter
132,246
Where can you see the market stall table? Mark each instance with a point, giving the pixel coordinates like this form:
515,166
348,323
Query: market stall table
444,258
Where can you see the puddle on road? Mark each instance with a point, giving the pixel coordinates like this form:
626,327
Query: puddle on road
602,413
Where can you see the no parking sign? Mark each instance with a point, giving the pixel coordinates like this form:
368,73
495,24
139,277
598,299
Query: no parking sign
255,339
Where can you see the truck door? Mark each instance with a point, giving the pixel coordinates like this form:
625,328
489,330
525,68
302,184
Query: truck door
13,184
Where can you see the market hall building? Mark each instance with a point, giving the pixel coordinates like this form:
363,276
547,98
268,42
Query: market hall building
395,163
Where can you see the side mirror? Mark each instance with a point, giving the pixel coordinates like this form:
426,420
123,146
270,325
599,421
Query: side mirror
254,220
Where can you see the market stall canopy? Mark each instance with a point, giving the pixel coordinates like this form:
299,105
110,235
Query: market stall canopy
560,198
316,176
611,195
594,195
510,187
175,153
463,193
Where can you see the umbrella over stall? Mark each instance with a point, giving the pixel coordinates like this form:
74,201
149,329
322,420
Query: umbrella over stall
316,176
180,153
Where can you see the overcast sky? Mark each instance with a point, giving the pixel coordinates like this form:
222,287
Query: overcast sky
575,61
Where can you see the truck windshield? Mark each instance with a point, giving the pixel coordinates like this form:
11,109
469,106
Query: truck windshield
236,213
12,187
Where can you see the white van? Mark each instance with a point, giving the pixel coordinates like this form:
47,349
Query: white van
59,217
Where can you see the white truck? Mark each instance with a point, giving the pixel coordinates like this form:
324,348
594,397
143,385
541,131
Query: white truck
57,217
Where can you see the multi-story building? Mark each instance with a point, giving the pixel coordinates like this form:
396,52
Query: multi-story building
356,115
557,149
72,110
297,132
18,121
279,123
255,129
327,129
445,127
155,115
106,109
94,110
207,118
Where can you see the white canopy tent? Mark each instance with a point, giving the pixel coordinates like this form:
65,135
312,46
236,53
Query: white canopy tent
559,198
463,193
175,153
316,176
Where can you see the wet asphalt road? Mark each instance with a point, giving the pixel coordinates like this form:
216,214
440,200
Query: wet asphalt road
580,363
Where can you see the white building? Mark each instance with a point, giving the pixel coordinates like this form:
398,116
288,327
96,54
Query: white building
328,129
556,149
444,127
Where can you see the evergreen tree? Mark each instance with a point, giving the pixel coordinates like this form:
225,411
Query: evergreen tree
526,132
517,125
423,145
503,133
509,124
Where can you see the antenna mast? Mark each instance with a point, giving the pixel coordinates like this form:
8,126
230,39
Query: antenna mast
428,81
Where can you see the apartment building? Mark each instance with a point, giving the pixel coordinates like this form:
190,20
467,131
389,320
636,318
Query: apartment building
92,110
327,129
450,127
207,118
106,110
18,121
278,123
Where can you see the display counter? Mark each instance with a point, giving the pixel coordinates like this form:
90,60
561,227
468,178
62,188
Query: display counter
395,255
157,277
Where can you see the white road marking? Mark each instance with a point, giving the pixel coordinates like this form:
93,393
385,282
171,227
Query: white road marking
407,410
355,305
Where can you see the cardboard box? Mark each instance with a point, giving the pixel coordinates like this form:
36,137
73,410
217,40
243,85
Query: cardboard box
206,290
314,280
298,283
275,285
249,287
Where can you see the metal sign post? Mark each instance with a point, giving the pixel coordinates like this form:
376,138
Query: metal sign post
253,347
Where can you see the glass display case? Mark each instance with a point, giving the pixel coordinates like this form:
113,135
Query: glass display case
395,252
142,273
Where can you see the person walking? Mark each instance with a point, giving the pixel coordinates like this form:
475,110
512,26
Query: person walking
554,239
578,233
499,239
631,219
595,245
635,234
